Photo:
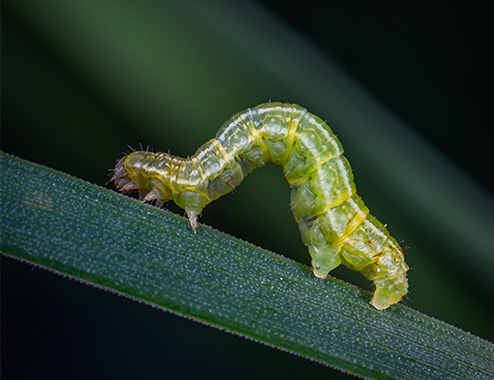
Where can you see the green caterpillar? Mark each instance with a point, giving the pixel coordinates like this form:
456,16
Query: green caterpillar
334,222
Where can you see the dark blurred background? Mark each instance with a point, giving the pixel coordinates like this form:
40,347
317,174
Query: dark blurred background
431,63
82,81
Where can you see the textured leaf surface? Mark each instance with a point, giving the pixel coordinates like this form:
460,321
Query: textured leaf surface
114,242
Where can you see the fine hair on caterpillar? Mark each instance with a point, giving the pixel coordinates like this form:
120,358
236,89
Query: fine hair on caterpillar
334,222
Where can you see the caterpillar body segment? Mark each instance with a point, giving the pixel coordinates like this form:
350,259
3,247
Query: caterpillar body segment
334,222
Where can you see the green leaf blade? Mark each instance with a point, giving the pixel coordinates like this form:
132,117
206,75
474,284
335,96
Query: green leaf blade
111,241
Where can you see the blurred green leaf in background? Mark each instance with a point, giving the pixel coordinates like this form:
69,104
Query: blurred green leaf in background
81,81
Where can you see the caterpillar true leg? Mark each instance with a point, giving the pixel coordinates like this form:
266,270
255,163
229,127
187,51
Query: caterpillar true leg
334,222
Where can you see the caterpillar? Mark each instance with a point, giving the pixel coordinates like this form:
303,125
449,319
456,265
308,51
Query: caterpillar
334,222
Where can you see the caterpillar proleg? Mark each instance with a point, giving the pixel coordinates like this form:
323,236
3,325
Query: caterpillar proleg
334,222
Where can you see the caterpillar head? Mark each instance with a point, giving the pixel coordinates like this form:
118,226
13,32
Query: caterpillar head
161,177
136,172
